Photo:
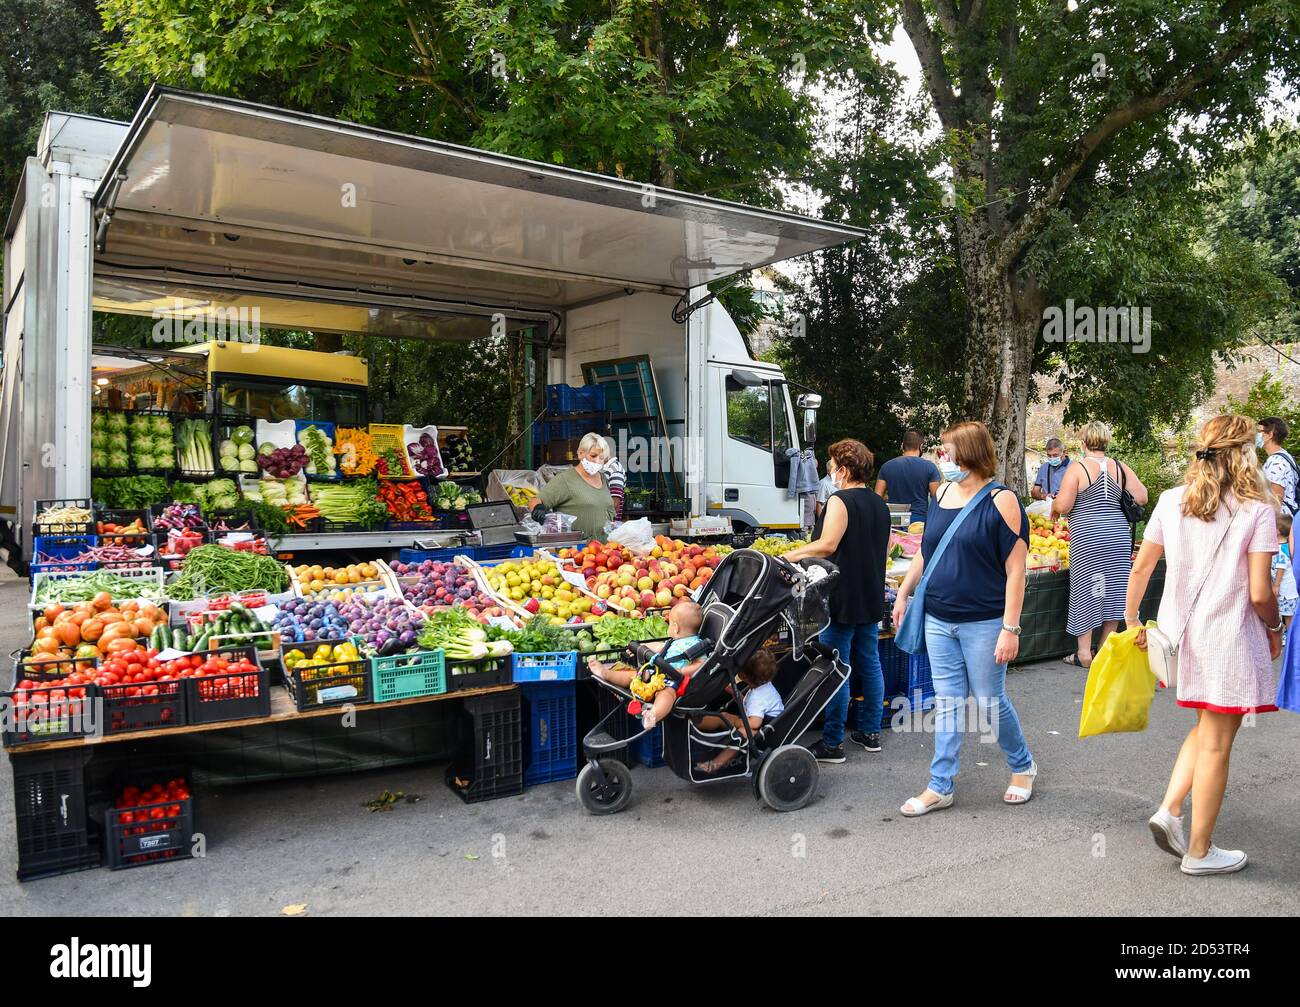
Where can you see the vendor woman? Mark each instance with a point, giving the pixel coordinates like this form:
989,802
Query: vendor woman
583,490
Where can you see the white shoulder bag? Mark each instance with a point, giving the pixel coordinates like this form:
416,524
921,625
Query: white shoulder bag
1162,653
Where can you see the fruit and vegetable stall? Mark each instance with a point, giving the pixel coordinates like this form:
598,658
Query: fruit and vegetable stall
217,664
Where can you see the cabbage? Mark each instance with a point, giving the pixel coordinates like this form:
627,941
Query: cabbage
247,454
162,447
98,458
247,465
118,460
117,440
228,449
98,422
144,461
229,463
162,427
242,435
266,448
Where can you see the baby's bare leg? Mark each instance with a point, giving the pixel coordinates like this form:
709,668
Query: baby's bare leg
614,674
659,709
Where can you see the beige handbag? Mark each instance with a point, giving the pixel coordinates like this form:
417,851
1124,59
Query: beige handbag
1162,652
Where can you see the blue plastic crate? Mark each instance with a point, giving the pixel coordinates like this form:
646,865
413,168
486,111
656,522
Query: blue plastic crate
920,686
443,555
61,547
557,667
503,551
649,748
893,666
550,732
561,399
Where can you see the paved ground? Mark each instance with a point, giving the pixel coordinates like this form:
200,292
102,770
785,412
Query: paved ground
1079,848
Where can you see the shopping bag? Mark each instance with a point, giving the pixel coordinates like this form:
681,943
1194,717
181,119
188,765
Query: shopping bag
1120,686
1288,686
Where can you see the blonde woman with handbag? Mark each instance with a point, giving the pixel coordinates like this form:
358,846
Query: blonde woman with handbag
1218,631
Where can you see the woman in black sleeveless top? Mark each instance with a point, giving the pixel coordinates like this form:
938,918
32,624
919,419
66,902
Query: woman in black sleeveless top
854,535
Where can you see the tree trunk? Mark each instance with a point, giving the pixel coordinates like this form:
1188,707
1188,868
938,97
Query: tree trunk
664,172
1002,321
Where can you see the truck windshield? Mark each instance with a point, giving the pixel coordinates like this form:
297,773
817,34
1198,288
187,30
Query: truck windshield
275,401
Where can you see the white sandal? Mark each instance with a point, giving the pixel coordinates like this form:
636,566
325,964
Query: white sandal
915,807
1023,793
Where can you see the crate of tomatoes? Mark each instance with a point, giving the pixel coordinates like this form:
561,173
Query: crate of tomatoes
225,684
52,699
150,821
139,692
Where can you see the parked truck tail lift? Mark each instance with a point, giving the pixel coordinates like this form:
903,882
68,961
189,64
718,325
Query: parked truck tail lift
205,204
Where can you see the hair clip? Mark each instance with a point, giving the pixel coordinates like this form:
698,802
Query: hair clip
1207,454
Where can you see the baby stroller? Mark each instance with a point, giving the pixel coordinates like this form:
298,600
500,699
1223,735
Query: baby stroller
749,598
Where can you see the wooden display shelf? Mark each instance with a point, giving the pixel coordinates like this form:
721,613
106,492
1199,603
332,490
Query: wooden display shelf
282,710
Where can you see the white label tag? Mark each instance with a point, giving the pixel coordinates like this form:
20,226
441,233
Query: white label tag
336,692
501,622
171,654
574,578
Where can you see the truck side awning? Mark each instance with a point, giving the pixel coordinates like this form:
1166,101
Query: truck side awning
207,187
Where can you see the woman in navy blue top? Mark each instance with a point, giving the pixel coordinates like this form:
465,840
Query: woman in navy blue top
972,616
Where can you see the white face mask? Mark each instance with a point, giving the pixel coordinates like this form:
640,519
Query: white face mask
591,467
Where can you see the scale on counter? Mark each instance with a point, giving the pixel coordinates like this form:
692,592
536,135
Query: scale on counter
495,521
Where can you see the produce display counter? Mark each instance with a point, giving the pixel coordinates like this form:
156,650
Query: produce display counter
348,541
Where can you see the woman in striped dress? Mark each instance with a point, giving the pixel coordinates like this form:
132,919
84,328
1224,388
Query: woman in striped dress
1101,547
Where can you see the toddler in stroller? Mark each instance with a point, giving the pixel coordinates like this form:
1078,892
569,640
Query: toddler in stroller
657,684
708,734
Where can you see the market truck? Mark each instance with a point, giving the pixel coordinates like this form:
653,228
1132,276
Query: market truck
202,205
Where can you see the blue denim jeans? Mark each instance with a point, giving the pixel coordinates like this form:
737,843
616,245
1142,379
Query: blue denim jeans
859,649
962,665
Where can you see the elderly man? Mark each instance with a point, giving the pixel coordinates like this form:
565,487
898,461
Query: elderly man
1051,472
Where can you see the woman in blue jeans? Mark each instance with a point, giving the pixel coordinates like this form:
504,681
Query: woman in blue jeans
854,535
972,617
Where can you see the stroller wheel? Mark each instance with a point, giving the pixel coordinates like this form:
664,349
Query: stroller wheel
787,778
609,796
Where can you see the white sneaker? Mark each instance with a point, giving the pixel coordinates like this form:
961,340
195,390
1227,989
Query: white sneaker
1215,861
1167,831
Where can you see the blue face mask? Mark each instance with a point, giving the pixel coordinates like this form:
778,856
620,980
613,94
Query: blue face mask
1259,440
1054,462
950,472
961,474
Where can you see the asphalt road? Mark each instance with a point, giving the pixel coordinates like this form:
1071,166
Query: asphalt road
1080,848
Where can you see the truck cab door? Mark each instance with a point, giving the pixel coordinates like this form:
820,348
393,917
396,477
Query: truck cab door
755,434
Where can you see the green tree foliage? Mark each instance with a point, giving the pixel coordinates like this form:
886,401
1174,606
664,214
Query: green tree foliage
1049,114
52,52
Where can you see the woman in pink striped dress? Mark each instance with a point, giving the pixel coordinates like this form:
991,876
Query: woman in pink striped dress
1218,535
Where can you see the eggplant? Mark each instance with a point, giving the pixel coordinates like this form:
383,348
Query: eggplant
393,646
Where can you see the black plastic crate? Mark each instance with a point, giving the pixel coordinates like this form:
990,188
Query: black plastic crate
146,706
236,520
50,814
149,833
489,760
242,696
462,675
63,527
132,540
336,683
46,712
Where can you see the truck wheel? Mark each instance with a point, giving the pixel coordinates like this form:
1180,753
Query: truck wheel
608,797
788,778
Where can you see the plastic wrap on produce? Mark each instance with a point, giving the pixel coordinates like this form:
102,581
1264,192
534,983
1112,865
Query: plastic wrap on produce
502,481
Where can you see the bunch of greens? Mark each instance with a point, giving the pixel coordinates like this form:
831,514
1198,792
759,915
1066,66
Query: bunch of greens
151,441
460,637
616,633
350,503
130,492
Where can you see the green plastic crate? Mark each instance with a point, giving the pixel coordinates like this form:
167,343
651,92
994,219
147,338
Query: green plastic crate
406,676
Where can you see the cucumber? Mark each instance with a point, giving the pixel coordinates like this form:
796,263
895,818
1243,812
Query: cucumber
164,637
155,637
201,643
237,609
180,640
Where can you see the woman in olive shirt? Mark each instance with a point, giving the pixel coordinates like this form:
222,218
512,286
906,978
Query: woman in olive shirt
583,490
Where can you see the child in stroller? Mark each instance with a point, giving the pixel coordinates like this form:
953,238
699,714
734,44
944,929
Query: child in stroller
750,597
656,686
761,702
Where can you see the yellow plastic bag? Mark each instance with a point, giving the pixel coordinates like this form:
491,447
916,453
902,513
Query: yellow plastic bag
1120,687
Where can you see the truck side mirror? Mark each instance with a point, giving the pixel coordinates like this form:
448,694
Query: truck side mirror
809,437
